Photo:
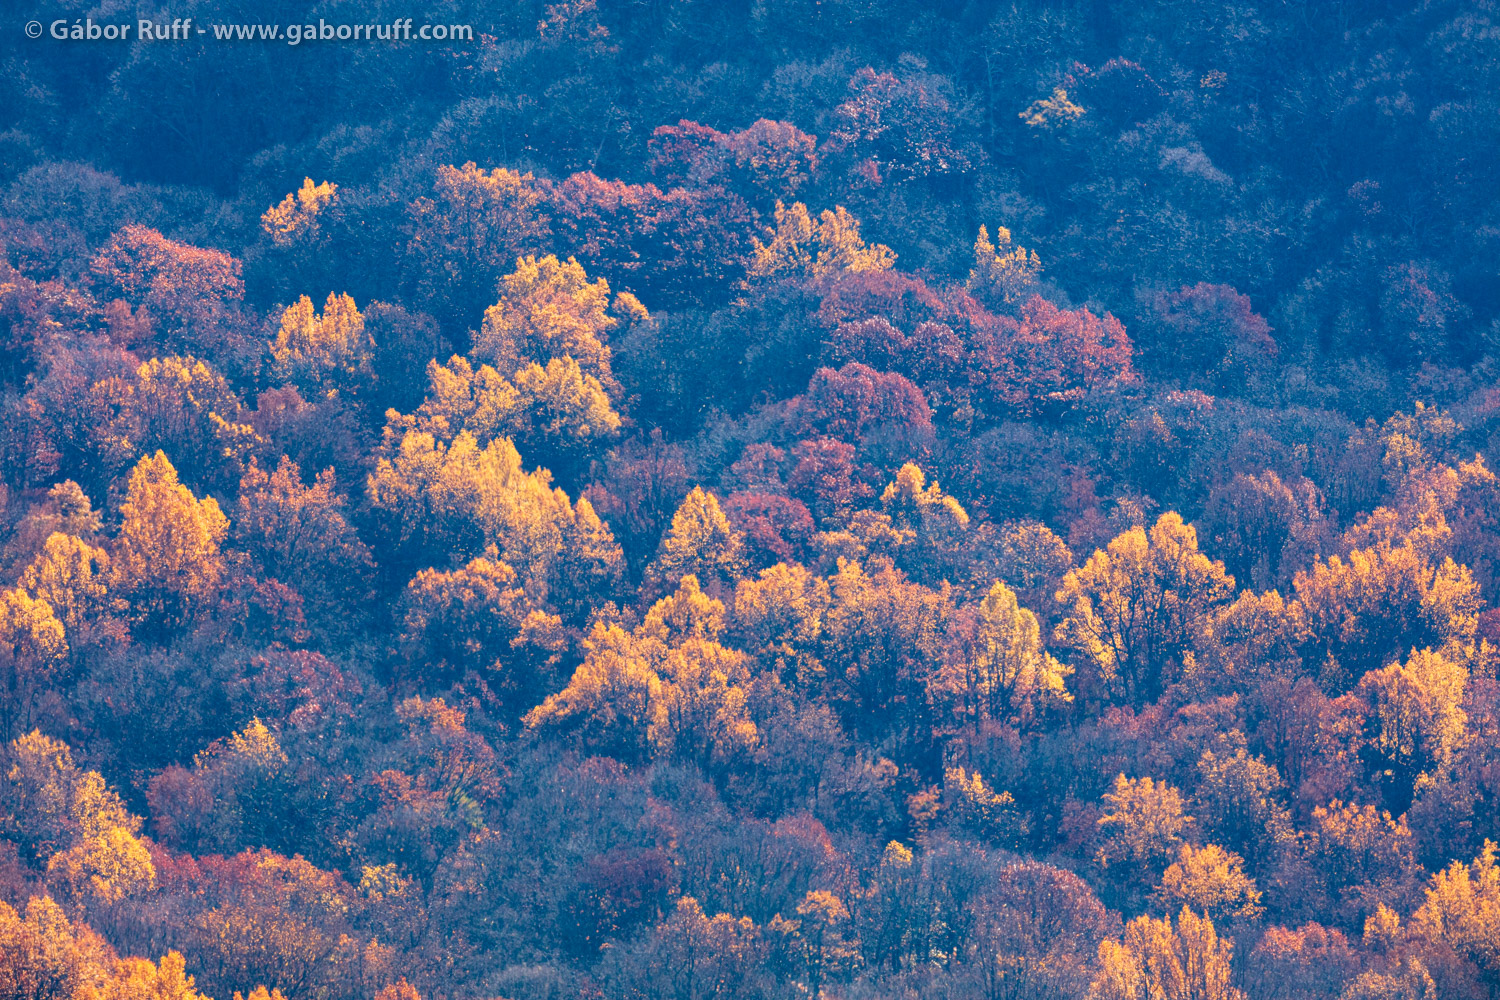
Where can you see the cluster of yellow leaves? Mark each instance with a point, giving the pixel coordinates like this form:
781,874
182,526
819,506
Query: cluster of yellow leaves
668,687
700,542
1000,673
459,497
1003,273
559,406
1462,909
166,555
177,403
549,309
1143,823
973,806
75,821
800,248
1052,112
1135,607
297,216
1212,881
323,354
1157,960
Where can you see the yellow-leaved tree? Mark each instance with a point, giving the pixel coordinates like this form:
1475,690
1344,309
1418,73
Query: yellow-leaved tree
550,309
297,219
1003,274
1136,606
666,689
999,673
1156,960
700,542
33,648
166,560
801,248
326,353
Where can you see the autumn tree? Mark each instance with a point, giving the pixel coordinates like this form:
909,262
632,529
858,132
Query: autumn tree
189,296
569,415
1135,607
182,405
1156,959
700,542
65,509
1265,528
1003,274
33,649
1410,981
133,978
919,527
550,309
102,869
459,398
1379,603
882,646
166,558
1210,332
699,957
801,248
667,688
71,576
325,353
72,821
613,699
1418,722
300,535
819,931
477,618
1212,881
779,618
460,497
45,954
998,672
51,802
1462,912
1142,829
1364,858
297,219
976,809
1239,801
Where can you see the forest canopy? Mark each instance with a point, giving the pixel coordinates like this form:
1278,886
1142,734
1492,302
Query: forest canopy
753,501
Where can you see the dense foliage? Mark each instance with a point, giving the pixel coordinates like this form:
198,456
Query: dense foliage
754,500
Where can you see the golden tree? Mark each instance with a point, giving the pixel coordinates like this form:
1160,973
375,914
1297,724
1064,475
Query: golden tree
801,248
998,671
549,309
568,410
1462,911
1418,723
166,558
1003,273
298,218
70,575
33,648
1143,823
103,869
1136,606
1156,961
1211,881
700,542
324,354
